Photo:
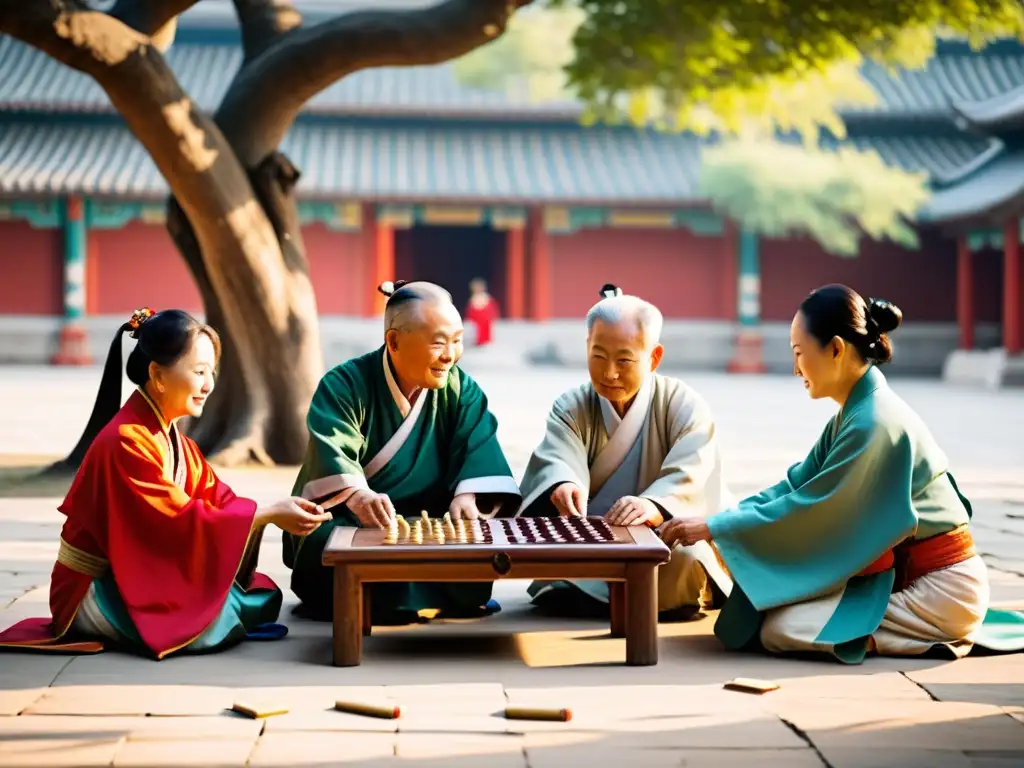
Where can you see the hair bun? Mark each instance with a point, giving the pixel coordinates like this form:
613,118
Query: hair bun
388,287
886,315
608,291
139,317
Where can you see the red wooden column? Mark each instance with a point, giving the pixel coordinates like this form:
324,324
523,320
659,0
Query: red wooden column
515,273
383,264
729,271
540,267
1011,288
964,293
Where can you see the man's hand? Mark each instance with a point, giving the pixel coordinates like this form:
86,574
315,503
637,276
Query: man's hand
685,531
463,507
569,500
633,510
372,509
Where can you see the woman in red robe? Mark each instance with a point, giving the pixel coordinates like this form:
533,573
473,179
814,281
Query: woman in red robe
482,311
157,555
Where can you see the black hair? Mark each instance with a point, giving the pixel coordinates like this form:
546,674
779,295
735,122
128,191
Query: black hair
163,338
403,292
837,310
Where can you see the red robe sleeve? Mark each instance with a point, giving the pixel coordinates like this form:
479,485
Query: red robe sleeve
174,554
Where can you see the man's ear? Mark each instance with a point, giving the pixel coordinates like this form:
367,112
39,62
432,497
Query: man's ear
391,340
656,356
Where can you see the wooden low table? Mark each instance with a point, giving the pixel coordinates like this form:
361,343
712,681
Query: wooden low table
516,548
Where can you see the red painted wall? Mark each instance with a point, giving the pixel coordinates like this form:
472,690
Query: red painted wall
680,273
683,274
32,266
339,267
139,266
921,283
128,259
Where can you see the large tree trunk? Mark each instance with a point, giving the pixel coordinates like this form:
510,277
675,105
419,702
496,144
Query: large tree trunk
233,213
231,429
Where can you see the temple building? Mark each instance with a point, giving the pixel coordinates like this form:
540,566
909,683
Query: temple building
408,173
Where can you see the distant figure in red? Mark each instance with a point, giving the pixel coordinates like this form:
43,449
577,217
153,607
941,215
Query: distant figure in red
482,311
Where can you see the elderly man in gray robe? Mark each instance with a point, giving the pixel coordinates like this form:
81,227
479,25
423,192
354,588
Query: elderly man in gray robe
637,448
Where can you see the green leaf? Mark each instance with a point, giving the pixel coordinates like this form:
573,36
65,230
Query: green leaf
728,65
782,189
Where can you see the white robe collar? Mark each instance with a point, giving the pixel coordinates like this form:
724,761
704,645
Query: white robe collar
404,404
622,434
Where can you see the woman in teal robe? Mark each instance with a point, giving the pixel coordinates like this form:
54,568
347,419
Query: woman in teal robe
866,544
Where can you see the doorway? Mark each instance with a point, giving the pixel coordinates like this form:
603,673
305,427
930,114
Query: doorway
452,257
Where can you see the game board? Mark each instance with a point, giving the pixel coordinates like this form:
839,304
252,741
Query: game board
440,549
427,531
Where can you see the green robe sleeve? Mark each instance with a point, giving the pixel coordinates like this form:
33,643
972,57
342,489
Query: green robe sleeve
476,462
336,444
838,517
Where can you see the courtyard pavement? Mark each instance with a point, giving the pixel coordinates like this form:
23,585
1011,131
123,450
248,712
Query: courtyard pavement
452,678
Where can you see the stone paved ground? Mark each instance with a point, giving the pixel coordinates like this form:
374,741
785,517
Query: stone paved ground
451,678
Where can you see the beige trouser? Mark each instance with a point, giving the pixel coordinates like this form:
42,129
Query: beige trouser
944,607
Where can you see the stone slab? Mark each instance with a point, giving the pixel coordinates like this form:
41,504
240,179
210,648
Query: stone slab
446,746
904,724
14,701
576,750
324,748
174,753
982,679
62,741
227,727
108,700
29,670
79,751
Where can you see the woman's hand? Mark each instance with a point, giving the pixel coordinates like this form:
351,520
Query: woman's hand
685,531
295,515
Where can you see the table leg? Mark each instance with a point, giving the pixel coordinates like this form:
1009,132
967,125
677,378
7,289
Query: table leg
641,615
348,618
367,621
617,607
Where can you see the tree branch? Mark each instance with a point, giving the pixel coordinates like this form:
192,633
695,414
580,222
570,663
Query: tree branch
265,98
149,16
263,23
185,144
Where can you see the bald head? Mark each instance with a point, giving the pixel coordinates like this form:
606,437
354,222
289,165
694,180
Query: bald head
628,312
404,310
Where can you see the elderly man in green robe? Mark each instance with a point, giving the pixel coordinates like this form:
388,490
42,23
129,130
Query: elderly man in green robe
635,447
397,431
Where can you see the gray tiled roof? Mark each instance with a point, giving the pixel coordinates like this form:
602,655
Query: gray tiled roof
397,160
33,81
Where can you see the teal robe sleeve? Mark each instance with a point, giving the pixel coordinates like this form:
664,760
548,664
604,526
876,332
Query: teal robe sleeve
846,506
476,462
796,475
332,465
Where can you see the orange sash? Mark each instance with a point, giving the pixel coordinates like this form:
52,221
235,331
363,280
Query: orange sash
914,558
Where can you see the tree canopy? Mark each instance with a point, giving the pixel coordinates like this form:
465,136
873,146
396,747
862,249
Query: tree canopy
746,71
726,65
